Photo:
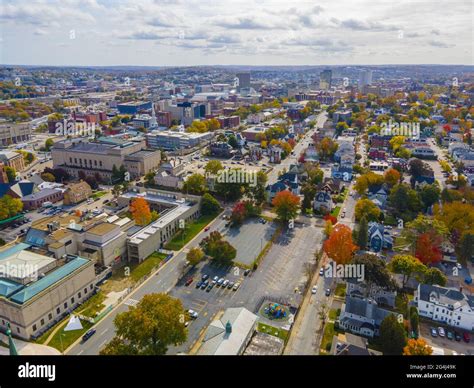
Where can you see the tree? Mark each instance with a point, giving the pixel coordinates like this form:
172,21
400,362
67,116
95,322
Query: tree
368,181
328,228
417,347
257,192
195,256
392,336
430,194
414,319
376,273
150,178
48,144
465,247
209,205
457,216
418,168
428,249
195,184
286,205
408,266
11,174
239,213
339,246
233,142
9,207
48,177
392,177
156,322
366,208
140,211
404,201
326,148
213,167
363,233
220,250
396,142
434,276
309,191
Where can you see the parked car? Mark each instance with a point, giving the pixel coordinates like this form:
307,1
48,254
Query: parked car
205,277
449,335
230,285
434,333
321,272
328,292
246,272
199,284
314,289
210,286
188,281
466,337
236,286
207,228
225,283
193,314
215,278
220,281
204,285
88,335
457,336
441,332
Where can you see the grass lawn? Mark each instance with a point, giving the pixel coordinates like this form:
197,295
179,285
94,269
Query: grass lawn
145,267
329,332
333,314
98,194
336,211
190,232
340,290
92,306
274,331
63,339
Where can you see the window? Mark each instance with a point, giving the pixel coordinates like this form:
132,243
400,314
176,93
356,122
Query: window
85,290
58,310
50,316
79,295
68,243
34,327
92,286
65,305
42,322
72,300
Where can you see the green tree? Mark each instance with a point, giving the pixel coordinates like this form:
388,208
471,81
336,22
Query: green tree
220,250
408,266
155,323
465,246
48,144
363,232
195,184
195,256
209,205
376,273
150,178
257,192
366,208
213,167
11,174
434,276
430,194
48,177
392,336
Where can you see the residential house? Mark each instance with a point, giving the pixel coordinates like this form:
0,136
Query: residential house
323,202
362,316
382,296
445,305
77,192
331,185
348,344
379,238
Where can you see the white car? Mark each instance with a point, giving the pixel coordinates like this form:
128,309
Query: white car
441,332
193,314
314,290
459,265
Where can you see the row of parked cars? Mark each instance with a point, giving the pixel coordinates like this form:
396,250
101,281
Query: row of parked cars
205,283
451,335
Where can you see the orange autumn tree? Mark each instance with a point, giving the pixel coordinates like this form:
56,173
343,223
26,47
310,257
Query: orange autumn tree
392,177
140,211
417,347
339,246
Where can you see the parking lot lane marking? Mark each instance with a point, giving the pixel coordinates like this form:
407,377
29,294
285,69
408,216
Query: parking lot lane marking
105,331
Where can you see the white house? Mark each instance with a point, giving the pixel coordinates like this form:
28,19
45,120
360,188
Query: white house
445,305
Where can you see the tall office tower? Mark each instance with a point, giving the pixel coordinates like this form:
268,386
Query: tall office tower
325,79
365,78
244,80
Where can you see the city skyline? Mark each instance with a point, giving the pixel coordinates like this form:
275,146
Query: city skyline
186,33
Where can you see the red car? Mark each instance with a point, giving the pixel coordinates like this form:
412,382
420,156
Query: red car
188,281
207,228
466,337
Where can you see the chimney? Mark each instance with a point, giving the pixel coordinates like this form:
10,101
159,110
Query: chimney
228,327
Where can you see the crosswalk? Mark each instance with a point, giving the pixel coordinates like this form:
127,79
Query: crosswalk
131,302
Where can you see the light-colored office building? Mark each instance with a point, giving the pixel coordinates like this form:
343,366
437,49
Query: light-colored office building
36,291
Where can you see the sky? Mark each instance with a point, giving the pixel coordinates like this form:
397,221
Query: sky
235,32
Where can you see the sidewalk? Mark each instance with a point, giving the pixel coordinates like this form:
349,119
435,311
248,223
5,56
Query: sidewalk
28,348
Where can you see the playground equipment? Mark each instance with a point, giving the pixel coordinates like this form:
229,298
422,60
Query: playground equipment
275,310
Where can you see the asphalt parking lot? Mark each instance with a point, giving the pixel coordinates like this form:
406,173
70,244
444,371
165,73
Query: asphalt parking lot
449,346
249,239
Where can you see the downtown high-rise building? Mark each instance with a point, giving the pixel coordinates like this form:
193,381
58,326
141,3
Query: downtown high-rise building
365,78
244,80
325,79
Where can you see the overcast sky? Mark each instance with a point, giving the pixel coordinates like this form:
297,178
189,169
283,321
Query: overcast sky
250,32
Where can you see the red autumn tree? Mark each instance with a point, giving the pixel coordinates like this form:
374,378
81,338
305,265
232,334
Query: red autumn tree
428,248
329,217
286,205
339,246
239,212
